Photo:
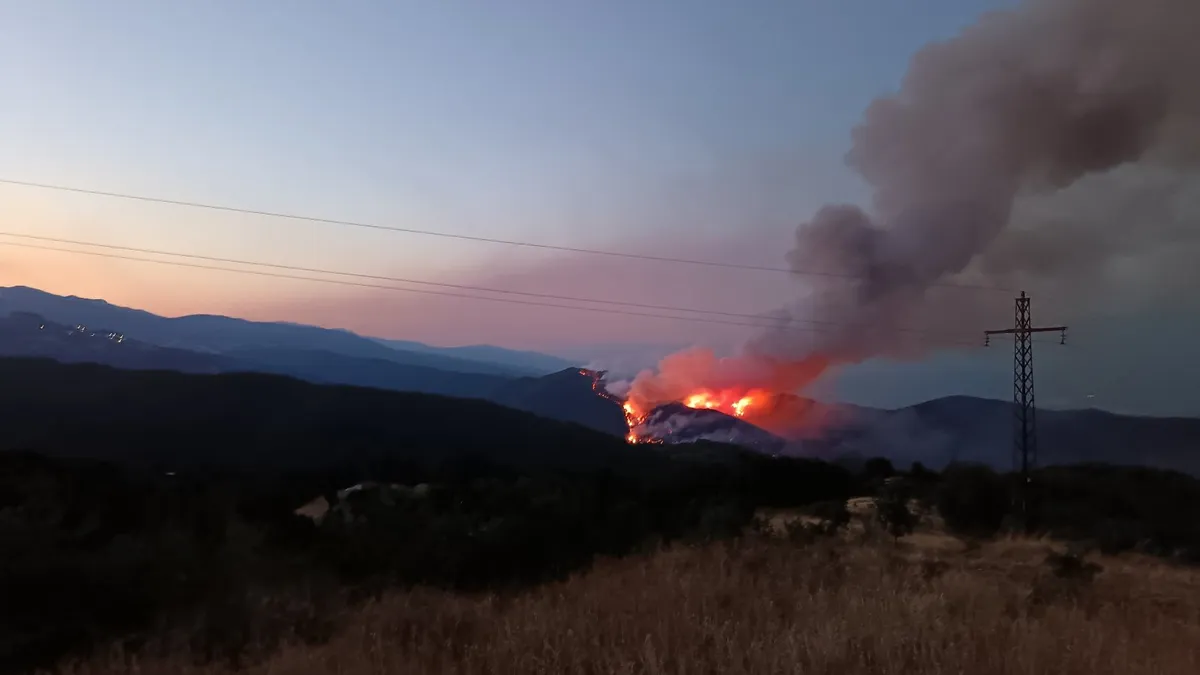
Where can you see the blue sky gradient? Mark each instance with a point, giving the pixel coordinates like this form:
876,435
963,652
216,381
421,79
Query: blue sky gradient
531,120
697,129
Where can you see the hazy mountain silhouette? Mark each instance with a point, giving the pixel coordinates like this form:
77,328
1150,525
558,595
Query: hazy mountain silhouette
325,367
219,334
969,429
30,335
566,395
25,334
533,362
937,433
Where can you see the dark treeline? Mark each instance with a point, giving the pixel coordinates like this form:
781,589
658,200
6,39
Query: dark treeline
95,552
135,506
271,423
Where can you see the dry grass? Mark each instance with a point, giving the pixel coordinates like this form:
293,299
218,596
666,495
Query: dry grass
763,607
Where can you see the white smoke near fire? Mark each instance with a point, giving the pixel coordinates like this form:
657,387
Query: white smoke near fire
1048,143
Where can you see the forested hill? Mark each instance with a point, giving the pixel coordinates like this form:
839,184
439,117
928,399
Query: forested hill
252,421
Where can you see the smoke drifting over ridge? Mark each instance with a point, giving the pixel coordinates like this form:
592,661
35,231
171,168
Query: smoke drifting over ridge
988,164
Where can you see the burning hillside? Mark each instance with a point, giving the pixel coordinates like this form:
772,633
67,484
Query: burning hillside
750,417
632,417
982,165
753,390
728,401
679,423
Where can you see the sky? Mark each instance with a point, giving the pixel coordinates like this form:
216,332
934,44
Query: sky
704,129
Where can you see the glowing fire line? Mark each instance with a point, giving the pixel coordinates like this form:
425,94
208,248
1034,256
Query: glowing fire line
730,402
632,418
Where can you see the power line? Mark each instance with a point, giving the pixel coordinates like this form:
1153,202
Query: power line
360,284
453,235
463,287
341,282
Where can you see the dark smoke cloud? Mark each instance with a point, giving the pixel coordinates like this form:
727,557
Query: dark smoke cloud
1045,143
1127,237
1053,145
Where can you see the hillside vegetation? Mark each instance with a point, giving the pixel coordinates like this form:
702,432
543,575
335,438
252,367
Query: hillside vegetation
565,395
224,571
231,521
273,423
95,551
761,607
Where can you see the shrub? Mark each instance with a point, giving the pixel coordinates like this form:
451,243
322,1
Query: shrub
878,468
1071,565
973,500
1117,535
834,516
722,520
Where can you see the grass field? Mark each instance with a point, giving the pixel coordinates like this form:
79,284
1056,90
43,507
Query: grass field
930,604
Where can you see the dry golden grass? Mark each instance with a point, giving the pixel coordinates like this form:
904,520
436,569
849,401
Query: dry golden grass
761,606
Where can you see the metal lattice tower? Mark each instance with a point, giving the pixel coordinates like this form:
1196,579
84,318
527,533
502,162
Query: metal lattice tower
1025,450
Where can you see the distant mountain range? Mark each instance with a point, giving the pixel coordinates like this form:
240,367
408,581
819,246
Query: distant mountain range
28,334
940,432
969,429
532,362
222,334
212,344
937,432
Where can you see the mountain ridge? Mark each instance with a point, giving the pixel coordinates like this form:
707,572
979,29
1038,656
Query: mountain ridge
935,432
217,334
267,422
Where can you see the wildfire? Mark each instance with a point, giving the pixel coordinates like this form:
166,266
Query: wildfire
735,402
740,405
759,403
730,402
633,418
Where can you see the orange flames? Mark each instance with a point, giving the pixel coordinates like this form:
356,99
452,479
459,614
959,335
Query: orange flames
632,420
729,401
737,403
757,404
633,417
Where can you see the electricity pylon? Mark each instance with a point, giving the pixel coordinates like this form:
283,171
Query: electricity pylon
1025,451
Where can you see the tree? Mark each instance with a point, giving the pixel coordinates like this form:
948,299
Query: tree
878,468
891,508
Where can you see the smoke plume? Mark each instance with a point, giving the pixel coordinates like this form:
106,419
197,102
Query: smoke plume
1053,143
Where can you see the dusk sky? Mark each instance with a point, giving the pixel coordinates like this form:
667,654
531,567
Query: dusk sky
698,130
